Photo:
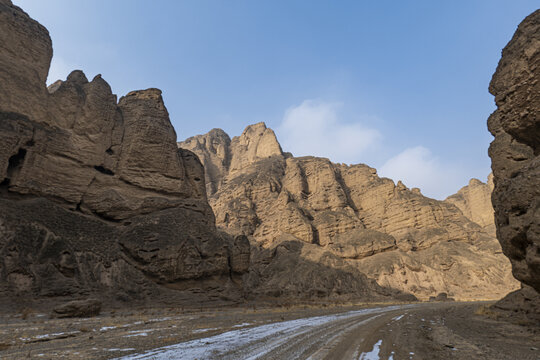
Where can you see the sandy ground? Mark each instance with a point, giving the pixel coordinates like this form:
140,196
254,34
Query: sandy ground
409,331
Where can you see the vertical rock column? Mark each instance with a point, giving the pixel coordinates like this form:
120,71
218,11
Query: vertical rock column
515,151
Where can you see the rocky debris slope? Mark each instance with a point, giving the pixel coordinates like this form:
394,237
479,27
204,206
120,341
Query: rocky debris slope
95,195
474,201
347,218
515,155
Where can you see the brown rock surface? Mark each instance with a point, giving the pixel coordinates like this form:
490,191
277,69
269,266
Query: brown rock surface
95,196
474,201
26,50
293,269
349,216
515,153
77,308
213,150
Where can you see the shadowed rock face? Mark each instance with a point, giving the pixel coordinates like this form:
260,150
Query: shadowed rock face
515,151
349,218
95,195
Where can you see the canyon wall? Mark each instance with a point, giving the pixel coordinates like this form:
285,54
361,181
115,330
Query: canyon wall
474,201
347,217
515,155
96,198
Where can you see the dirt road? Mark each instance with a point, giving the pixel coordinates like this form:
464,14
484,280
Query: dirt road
331,336
413,331
396,332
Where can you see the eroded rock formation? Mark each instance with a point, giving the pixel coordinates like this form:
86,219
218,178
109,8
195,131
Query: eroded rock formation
515,155
349,219
474,201
95,195
96,198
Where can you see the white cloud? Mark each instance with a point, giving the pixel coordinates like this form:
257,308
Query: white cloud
418,167
313,128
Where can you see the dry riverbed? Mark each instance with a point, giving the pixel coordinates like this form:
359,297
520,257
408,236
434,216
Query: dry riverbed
407,331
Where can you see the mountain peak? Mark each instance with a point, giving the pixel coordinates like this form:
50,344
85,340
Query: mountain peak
256,142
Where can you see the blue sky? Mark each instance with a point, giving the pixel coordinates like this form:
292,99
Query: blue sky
398,85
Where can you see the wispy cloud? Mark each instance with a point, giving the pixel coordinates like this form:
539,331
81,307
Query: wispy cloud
315,128
418,167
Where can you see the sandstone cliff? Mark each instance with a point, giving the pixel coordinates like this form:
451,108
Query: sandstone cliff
349,219
474,201
515,158
96,198
95,195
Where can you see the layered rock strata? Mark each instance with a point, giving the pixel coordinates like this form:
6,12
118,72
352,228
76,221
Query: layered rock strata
474,201
515,155
95,195
350,217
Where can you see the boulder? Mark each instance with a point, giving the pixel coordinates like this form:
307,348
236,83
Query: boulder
77,308
441,297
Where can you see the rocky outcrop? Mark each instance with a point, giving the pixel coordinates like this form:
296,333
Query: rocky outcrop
26,50
95,195
522,305
213,150
392,234
515,152
232,169
474,201
441,297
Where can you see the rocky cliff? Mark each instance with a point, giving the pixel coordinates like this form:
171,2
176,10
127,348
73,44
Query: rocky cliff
474,201
95,195
515,155
96,198
348,219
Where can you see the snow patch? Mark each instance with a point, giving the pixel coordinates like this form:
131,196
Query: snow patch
373,354
203,330
161,319
47,336
105,328
241,325
138,334
117,349
143,332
